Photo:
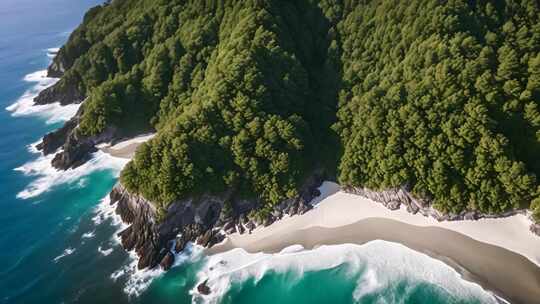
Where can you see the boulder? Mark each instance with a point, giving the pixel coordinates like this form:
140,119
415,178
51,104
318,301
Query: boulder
167,261
203,288
229,227
535,228
250,226
205,238
393,205
181,243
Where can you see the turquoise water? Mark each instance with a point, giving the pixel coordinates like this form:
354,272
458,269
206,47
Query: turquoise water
57,236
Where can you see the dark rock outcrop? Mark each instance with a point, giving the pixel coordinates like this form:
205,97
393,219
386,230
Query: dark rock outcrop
167,261
56,139
191,219
58,67
203,288
77,149
142,235
394,198
60,92
535,228
199,219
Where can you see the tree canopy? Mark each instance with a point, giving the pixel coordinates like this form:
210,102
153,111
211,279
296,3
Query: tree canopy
441,97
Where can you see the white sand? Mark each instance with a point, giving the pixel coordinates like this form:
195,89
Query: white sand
335,208
126,148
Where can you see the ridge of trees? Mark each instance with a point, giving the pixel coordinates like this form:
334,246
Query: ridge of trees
439,97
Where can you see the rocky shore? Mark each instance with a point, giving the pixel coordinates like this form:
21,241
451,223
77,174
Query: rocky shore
394,198
208,219
72,149
75,149
204,220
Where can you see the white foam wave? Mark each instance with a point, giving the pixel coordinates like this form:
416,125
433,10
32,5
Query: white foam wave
366,284
65,253
377,264
32,148
138,280
51,52
89,235
104,210
53,112
48,176
105,252
81,183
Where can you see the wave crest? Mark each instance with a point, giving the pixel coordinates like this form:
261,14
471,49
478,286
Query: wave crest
52,113
375,266
48,176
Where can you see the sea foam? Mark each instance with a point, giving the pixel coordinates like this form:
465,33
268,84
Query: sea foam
105,252
51,52
137,281
52,113
375,266
47,176
66,252
89,235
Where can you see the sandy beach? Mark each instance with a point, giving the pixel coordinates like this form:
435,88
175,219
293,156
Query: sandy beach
126,148
500,254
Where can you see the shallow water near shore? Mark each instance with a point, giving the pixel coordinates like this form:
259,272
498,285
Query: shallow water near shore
58,233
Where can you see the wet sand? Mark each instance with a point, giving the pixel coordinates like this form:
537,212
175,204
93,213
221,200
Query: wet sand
505,273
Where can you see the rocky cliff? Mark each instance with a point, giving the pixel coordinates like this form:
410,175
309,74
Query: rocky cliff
58,66
62,92
75,149
204,220
394,198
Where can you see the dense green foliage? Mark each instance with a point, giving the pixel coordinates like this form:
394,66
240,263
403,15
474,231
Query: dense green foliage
440,96
446,102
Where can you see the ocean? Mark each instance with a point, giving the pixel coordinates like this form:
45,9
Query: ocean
58,239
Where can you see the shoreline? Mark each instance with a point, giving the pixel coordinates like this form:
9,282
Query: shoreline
125,148
500,254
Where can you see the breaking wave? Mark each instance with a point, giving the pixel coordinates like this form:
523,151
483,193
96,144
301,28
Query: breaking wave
105,252
138,281
47,176
52,113
375,267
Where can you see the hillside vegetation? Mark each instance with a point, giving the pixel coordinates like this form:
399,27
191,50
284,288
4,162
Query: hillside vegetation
440,97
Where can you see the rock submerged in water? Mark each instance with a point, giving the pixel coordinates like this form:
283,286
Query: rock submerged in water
167,261
203,288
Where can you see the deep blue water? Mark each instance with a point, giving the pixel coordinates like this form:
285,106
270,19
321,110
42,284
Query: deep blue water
56,245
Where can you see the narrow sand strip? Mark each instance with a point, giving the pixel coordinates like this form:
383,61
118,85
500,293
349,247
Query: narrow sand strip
500,254
126,148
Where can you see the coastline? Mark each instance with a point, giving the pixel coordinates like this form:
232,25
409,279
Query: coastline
500,254
126,148
331,222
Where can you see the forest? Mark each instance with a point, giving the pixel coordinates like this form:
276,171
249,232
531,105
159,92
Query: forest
439,97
